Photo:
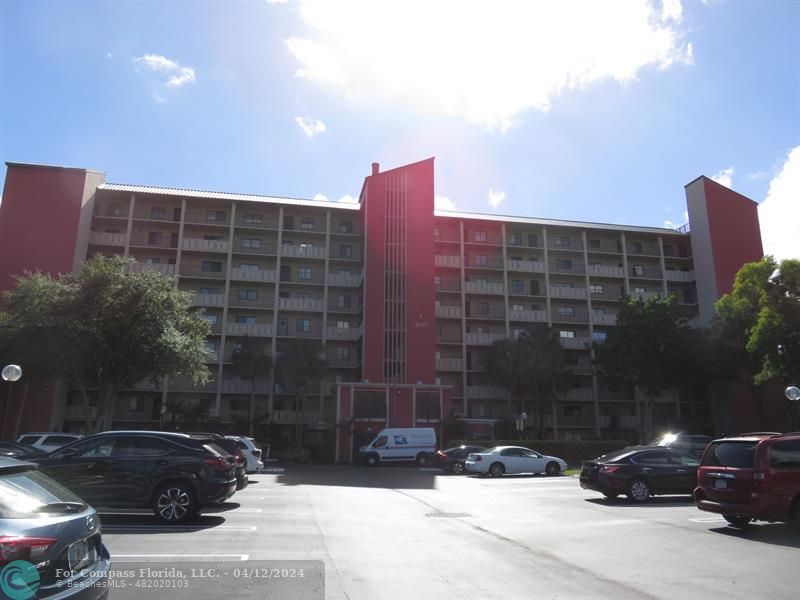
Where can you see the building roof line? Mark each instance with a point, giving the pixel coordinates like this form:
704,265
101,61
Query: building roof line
554,222
709,179
57,167
189,193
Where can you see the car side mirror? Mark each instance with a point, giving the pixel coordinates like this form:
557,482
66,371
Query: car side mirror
70,452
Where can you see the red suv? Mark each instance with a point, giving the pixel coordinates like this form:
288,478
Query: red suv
751,477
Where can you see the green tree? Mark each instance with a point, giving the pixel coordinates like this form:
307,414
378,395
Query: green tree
645,350
531,368
301,366
195,413
762,313
105,328
252,361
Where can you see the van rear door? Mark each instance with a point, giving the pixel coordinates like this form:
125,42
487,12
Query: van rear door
726,471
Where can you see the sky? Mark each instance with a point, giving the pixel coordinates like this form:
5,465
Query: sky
594,111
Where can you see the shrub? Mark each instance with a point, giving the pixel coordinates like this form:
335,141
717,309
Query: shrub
294,455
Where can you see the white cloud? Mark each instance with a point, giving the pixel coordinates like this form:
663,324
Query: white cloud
347,198
310,125
176,74
725,177
495,198
757,176
109,55
779,213
670,224
443,203
485,63
320,197
671,10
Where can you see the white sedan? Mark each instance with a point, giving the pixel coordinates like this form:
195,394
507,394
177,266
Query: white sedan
501,460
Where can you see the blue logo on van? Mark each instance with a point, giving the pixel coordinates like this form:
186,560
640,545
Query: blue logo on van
19,580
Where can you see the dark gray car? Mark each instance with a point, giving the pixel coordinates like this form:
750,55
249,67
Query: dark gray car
50,542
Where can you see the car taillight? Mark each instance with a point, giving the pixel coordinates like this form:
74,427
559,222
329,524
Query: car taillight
441,455
217,463
23,548
609,468
256,453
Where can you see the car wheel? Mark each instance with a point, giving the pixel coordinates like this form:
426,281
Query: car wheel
552,468
638,490
422,459
174,502
740,522
497,469
371,460
457,468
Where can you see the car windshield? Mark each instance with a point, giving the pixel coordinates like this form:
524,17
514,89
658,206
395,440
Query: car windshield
30,494
492,450
739,455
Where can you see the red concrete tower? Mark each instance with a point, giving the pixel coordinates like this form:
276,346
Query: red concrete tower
725,235
399,296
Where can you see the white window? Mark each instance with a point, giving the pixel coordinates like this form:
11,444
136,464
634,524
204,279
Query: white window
246,320
252,218
304,325
304,273
215,216
561,241
152,260
517,307
211,319
596,288
248,266
566,333
480,236
343,325
599,336
638,270
307,224
251,243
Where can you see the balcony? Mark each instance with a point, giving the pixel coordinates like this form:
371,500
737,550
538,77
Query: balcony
447,261
580,368
108,239
574,268
567,316
483,287
208,299
344,280
532,316
344,333
205,245
644,249
254,220
184,385
448,312
645,296
301,304
485,392
251,329
567,292
646,272
526,266
255,247
196,271
140,267
607,246
446,235
449,364
451,337
155,240
353,308
575,343
682,276
241,386
563,421
579,394
261,301
290,417
341,363
212,356
302,251
486,313
606,271
340,254
253,275
207,217
485,262
483,339
448,285
604,319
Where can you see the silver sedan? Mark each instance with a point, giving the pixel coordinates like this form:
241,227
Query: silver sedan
502,460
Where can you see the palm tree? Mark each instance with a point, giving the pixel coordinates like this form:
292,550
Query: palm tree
302,366
251,361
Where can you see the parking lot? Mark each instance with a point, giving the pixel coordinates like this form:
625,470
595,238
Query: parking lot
401,532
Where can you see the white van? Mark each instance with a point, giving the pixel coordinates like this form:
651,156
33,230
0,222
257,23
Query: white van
400,445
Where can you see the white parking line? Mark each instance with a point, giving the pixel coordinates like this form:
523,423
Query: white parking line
708,520
242,557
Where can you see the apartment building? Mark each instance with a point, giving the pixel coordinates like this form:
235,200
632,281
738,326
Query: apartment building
404,299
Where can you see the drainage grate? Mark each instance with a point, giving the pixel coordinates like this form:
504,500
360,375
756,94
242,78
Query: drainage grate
447,515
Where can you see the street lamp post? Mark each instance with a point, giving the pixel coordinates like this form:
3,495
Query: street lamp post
10,374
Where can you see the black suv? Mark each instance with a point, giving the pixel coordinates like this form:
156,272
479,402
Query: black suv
235,452
175,474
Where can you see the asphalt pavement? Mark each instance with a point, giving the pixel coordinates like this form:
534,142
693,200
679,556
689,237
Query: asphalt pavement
404,533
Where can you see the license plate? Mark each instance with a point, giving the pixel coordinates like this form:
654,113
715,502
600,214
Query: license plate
720,484
81,555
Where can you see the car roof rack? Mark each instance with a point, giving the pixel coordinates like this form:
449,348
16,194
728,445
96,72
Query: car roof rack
752,433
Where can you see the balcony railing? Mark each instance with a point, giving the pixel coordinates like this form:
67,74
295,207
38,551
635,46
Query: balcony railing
205,245
483,237
685,276
606,271
587,421
575,342
208,299
449,364
262,275
482,287
575,267
355,306
491,312
567,292
303,251
256,220
302,304
140,267
344,333
485,262
252,329
448,312
448,285
440,260
538,316
608,246
353,254
447,235
344,280
646,272
196,271
108,239
207,217
448,337
241,386
582,394
575,316
255,247
485,392
526,266
646,295
341,363
181,384
483,339
162,240
604,319
644,249
266,300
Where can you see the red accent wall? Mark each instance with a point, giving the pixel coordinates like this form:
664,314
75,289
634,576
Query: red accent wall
735,232
420,294
39,219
